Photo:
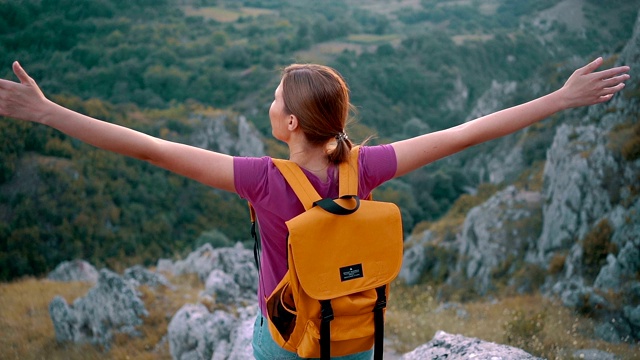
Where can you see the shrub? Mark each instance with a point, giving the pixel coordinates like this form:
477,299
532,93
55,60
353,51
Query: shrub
438,260
625,138
556,265
528,278
525,331
631,148
596,245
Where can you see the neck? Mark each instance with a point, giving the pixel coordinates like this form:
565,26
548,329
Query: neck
312,158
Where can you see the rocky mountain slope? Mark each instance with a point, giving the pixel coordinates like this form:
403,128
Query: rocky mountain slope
577,238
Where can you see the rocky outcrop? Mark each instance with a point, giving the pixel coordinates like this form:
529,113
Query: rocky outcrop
196,333
496,235
231,279
220,325
582,180
414,258
76,270
112,306
226,134
144,276
456,347
229,274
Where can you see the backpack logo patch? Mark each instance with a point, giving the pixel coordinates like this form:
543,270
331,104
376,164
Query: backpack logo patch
351,272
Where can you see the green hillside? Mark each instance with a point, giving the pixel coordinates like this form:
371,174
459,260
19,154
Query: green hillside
149,64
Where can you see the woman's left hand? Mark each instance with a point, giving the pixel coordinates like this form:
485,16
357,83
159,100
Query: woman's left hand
587,87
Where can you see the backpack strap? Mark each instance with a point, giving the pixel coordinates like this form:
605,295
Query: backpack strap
378,319
298,182
348,174
307,194
254,235
326,315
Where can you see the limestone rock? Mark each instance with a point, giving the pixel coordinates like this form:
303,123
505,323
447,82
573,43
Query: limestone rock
222,287
147,277
112,306
236,276
241,337
227,134
457,347
496,232
76,270
196,333
414,259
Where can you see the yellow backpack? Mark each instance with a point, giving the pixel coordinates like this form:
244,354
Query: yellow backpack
342,255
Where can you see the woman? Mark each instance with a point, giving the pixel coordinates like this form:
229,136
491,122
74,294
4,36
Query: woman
308,113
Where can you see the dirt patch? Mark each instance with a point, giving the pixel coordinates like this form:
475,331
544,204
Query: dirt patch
567,12
223,14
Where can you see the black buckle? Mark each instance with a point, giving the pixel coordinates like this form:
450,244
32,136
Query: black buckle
326,311
381,302
380,305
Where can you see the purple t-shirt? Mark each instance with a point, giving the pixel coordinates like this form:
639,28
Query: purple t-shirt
260,182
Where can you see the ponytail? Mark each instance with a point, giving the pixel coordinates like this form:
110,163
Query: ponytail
340,152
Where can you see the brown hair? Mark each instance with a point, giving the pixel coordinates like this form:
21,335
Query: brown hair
319,97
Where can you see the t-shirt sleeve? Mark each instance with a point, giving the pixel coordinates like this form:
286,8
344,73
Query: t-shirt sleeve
249,176
378,164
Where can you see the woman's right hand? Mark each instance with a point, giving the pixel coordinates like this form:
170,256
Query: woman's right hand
23,100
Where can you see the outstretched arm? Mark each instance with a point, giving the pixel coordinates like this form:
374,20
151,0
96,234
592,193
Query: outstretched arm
26,101
584,87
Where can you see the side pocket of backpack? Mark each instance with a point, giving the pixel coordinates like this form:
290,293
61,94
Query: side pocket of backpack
281,310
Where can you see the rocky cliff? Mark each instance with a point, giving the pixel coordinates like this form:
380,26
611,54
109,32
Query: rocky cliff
577,239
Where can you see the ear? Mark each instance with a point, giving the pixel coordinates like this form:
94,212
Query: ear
292,123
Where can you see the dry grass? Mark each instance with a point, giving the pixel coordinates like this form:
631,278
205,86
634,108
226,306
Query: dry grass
28,331
24,319
538,325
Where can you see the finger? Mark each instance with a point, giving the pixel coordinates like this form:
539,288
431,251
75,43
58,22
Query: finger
612,90
609,73
592,66
610,82
604,98
20,73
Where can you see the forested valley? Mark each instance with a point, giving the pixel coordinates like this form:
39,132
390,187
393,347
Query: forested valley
412,66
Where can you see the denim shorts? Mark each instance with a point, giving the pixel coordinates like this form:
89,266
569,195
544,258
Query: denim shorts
264,348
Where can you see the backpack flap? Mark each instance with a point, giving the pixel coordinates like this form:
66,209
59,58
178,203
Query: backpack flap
337,255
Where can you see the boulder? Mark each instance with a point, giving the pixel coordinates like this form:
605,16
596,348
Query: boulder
222,287
76,270
112,306
235,261
414,259
457,347
196,333
146,277
240,340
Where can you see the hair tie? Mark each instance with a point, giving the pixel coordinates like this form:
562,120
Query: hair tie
341,136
